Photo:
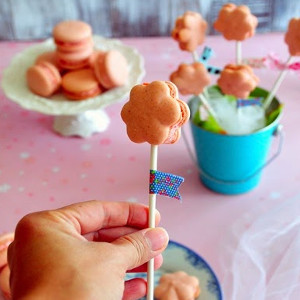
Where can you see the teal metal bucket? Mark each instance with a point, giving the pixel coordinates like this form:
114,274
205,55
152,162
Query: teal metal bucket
233,164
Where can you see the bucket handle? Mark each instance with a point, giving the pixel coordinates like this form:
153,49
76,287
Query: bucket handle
278,132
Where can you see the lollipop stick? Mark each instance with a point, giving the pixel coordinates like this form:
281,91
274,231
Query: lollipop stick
238,51
202,98
195,56
152,204
207,107
276,85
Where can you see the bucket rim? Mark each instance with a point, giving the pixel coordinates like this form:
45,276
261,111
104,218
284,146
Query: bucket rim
275,122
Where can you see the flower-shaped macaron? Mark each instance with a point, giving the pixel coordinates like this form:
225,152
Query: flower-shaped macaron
177,286
292,36
154,114
189,31
190,78
237,80
236,22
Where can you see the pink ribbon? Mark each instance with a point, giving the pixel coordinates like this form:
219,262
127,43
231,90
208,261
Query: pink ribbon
271,61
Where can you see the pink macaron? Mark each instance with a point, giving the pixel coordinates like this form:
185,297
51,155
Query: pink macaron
111,69
80,84
5,240
74,60
4,282
73,35
48,56
43,79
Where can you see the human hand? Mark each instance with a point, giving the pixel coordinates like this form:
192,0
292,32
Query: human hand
52,258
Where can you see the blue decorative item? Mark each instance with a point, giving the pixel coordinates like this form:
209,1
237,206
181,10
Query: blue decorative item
165,184
249,102
206,54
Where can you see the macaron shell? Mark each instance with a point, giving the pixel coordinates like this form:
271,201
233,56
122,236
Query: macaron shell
93,57
80,84
4,282
43,79
292,37
111,69
175,130
49,56
72,35
75,60
5,240
153,113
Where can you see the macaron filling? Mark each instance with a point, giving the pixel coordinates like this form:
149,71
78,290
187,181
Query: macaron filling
71,44
83,94
73,63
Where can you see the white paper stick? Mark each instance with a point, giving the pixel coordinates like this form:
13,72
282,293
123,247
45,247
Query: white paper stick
152,206
203,99
195,56
208,108
276,85
238,52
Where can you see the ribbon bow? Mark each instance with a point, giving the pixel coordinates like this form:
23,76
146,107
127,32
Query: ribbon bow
272,62
206,54
165,184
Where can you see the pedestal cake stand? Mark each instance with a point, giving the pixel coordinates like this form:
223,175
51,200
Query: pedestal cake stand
80,118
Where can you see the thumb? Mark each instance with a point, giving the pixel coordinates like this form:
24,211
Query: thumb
139,247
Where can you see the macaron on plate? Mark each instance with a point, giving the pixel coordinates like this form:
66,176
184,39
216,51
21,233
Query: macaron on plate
15,86
178,257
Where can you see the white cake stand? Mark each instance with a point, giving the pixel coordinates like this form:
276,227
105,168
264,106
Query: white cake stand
81,118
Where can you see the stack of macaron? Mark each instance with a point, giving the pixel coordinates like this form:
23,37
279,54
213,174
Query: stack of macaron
5,240
75,68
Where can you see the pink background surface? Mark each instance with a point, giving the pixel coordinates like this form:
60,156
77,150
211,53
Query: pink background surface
41,170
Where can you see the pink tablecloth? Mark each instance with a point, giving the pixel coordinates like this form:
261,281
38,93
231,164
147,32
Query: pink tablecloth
42,170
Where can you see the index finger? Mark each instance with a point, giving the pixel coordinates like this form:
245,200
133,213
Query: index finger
94,215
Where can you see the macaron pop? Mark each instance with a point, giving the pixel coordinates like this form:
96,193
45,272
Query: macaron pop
236,23
189,31
237,80
154,114
191,78
292,39
177,286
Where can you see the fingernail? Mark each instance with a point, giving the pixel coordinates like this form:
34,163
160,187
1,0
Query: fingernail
157,238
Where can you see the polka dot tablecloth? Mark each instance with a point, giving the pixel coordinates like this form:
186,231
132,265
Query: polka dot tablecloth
40,169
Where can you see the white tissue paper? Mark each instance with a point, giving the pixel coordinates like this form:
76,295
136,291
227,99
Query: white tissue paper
263,259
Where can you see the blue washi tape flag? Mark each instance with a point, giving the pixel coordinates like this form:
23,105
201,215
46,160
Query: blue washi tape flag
249,102
165,184
207,53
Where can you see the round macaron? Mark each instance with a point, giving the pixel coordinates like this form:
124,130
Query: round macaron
71,36
80,84
111,69
49,56
5,240
93,58
43,79
4,282
74,60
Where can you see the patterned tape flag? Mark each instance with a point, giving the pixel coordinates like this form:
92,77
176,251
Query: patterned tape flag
206,54
249,102
165,184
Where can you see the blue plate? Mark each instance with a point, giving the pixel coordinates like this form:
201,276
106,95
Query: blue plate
180,258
